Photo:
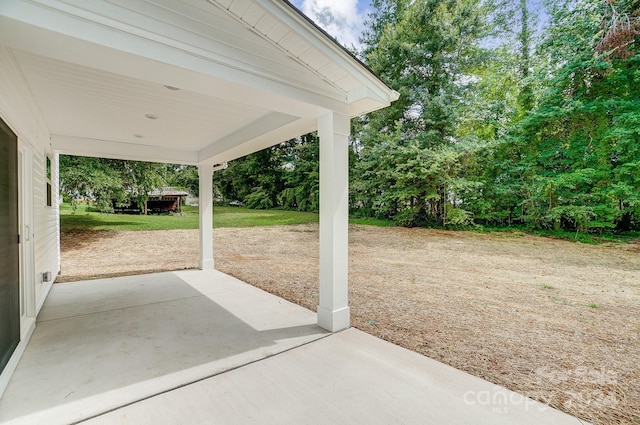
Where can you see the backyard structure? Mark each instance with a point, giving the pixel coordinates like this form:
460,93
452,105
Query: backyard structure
166,199
162,200
128,80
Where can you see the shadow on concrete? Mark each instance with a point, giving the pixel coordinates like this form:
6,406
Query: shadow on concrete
143,335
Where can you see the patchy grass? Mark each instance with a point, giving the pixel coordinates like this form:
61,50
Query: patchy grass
245,217
372,222
586,238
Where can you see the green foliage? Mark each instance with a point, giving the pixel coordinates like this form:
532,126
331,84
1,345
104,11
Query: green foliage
259,198
302,174
283,176
106,181
580,146
459,217
408,157
255,179
138,178
571,162
184,177
90,178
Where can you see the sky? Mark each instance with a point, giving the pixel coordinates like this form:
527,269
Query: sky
343,19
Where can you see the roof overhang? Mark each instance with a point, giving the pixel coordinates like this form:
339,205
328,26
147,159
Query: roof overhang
191,81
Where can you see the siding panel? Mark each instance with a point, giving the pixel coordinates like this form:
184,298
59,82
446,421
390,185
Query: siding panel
45,225
19,110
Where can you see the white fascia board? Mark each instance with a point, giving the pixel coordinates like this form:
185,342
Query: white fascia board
330,48
118,150
364,100
59,31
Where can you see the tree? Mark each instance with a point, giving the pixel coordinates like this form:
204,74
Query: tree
407,152
578,150
256,179
138,178
108,180
282,176
302,174
89,178
514,30
385,14
184,177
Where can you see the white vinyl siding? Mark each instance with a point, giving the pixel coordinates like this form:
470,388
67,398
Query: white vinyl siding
19,110
45,230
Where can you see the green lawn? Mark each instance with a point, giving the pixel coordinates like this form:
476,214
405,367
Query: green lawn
85,219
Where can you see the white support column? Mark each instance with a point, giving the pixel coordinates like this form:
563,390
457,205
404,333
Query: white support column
205,207
333,311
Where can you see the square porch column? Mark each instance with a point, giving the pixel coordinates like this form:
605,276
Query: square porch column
333,311
205,208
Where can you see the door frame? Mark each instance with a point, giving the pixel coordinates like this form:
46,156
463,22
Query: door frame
25,220
25,214
10,302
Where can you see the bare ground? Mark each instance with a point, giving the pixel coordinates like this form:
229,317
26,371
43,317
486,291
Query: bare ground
554,320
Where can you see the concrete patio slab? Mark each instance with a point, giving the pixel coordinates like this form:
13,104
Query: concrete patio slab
200,347
102,344
347,378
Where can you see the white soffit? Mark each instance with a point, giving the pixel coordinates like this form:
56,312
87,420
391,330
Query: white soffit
88,103
250,73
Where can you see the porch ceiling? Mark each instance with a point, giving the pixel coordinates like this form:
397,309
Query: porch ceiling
191,81
85,103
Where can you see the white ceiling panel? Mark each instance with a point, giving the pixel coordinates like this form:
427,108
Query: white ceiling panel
87,103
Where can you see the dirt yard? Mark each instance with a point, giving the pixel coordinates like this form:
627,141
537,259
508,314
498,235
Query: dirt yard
555,320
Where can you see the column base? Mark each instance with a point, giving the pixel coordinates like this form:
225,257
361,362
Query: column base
206,265
334,320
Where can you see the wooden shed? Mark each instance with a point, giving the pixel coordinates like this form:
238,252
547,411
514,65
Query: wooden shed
163,200
166,199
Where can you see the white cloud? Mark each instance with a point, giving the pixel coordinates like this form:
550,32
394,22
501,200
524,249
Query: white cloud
340,18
